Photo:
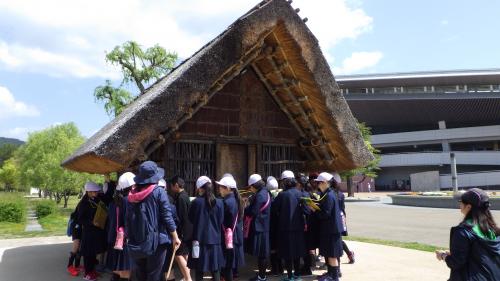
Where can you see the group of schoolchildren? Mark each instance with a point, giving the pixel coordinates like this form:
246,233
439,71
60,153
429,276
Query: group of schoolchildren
151,223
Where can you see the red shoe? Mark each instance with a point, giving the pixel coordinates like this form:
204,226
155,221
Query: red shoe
90,277
73,271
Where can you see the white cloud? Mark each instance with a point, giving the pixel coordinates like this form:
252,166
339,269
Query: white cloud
22,58
358,61
18,133
444,22
10,107
80,31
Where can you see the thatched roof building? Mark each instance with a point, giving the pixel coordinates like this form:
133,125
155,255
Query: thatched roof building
259,97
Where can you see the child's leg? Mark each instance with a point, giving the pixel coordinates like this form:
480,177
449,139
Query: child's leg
333,267
262,264
216,275
182,264
89,263
296,267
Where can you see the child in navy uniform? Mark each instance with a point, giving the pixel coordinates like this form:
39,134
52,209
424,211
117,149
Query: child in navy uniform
76,237
206,213
276,264
233,223
331,227
118,258
475,243
257,243
290,225
93,237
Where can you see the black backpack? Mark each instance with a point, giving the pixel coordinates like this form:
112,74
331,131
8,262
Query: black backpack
143,230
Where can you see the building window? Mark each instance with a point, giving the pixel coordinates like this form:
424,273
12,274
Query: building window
191,160
277,158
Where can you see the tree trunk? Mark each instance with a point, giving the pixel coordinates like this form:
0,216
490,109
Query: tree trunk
58,198
39,193
350,191
66,197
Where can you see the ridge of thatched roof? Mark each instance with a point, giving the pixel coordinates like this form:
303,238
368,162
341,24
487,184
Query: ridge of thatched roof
273,40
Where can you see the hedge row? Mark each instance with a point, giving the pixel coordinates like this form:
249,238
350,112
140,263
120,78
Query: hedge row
45,207
12,207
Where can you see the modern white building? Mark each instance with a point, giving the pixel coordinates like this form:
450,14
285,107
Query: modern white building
418,118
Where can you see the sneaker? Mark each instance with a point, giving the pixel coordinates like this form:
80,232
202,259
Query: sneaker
73,271
297,278
258,278
351,257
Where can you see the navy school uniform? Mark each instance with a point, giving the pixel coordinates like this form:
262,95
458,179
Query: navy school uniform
207,227
93,238
290,224
273,227
330,225
184,228
230,211
257,243
116,260
311,237
341,198
175,216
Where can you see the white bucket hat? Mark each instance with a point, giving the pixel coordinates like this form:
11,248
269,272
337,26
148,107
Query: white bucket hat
326,177
254,178
201,181
272,183
126,180
92,186
227,181
287,175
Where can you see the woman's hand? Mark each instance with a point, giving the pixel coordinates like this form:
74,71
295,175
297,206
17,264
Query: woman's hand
441,255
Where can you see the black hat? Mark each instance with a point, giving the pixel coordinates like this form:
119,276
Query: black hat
475,197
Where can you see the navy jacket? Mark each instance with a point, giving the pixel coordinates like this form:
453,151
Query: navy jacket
341,198
473,258
261,219
230,211
112,218
185,228
289,210
329,216
158,208
207,222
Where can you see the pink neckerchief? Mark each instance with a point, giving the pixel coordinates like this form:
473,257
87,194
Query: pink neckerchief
137,196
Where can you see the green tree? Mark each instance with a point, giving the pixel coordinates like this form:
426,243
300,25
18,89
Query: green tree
369,170
40,160
9,175
138,66
6,151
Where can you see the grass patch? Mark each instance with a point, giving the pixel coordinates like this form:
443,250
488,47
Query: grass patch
399,244
53,224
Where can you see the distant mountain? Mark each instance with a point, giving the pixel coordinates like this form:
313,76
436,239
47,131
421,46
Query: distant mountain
11,141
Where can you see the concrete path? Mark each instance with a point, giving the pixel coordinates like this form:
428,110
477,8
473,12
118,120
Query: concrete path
383,220
35,259
32,224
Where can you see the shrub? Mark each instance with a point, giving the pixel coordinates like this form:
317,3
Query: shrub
45,208
12,207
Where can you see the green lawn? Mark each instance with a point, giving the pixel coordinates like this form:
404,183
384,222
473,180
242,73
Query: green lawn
53,224
406,245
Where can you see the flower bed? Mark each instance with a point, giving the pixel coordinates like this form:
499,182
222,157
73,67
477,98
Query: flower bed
436,200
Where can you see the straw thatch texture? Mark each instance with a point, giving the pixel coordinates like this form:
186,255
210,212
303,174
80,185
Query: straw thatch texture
273,40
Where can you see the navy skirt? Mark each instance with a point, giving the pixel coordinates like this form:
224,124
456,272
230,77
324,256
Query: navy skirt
291,245
117,260
330,246
211,259
257,244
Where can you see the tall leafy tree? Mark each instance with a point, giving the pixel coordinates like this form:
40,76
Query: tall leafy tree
6,151
139,67
9,175
369,170
40,161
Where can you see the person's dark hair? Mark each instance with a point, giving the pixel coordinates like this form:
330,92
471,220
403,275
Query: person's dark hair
259,185
177,180
289,183
480,214
241,209
303,180
209,194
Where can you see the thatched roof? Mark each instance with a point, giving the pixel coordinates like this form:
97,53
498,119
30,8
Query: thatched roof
273,40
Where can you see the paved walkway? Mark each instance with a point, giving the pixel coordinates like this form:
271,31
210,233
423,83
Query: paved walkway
32,224
35,259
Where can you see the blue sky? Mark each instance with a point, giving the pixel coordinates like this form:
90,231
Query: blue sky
52,52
